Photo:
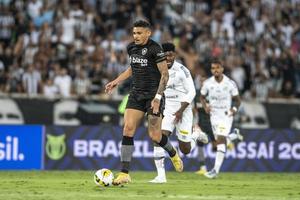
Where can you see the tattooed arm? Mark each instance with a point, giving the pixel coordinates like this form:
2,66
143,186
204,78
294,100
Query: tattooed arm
163,68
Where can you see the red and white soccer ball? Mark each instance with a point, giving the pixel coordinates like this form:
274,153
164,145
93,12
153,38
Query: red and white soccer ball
103,177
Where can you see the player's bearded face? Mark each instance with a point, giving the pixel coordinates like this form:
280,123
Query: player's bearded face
217,69
170,57
141,35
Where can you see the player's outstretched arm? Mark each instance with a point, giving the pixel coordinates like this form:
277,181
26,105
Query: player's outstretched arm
123,76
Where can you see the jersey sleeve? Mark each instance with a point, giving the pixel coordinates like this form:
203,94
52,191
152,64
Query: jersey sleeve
188,84
234,89
157,53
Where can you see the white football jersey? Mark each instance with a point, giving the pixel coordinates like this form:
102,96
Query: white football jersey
219,95
180,86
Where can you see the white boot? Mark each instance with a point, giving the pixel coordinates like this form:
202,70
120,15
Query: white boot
199,135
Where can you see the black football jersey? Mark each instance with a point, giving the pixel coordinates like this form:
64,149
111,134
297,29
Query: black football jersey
143,62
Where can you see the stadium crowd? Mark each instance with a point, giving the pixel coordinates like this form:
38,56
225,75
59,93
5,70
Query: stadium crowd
74,47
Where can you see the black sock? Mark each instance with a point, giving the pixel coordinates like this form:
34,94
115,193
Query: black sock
166,145
127,149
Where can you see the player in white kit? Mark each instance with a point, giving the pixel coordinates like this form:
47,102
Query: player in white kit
178,115
224,101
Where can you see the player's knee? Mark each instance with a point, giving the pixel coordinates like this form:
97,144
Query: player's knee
128,130
221,139
185,148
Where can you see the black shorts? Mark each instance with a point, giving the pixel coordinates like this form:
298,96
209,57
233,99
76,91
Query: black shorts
204,123
143,103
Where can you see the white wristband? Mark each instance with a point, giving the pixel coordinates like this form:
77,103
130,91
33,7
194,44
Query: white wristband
158,96
234,108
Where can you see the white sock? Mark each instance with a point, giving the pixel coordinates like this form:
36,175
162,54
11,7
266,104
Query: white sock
221,149
194,138
159,160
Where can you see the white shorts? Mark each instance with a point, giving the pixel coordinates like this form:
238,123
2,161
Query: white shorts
221,125
183,128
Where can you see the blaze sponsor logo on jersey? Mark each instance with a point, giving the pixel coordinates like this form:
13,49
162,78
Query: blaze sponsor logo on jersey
142,61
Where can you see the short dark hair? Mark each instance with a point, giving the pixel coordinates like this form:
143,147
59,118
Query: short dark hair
216,61
142,23
168,46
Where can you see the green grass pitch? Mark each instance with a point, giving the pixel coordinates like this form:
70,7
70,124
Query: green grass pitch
79,185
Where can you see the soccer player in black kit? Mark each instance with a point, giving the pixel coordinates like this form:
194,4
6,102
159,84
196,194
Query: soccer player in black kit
149,72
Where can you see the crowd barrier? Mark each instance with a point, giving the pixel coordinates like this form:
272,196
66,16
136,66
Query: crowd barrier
74,112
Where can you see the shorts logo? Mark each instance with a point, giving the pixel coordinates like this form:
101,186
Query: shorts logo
144,51
184,132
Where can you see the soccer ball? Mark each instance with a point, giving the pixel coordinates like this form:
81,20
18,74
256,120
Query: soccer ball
103,177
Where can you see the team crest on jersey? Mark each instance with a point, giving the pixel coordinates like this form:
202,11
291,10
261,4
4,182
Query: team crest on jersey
144,51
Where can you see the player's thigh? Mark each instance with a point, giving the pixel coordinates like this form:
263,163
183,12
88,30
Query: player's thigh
184,128
168,120
132,119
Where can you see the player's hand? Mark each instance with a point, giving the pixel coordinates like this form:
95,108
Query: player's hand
155,103
207,109
178,116
110,86
232,112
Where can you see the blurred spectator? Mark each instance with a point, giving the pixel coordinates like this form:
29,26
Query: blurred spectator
63,82
7,23
31,80
82,84
34,8
49,89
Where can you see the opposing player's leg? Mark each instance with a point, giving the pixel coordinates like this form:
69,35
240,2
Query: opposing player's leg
199,136
154,127
186,134
201,158
205,125
234,137
132,119
159,161
221,131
